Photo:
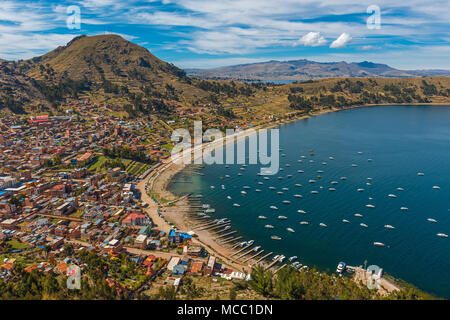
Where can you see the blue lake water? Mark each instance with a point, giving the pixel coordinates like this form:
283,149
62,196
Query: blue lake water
401,140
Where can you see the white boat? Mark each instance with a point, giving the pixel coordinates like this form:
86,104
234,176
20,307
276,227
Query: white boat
242,169
273,207
358,215
319,171
239,174
289,175
341,268
243,192
275,238
360,152
299,161
378,244
332,189
262,217
311,161
227,176
304,223
391,195
354,165
292,258
246,187
255,249
370,160
403,208
276,257
436,187
303,157
243,244
272,188
211,210
314,192
301,211
297,195
280,178
370,206
323,225
212,187
290,230
300,171
368,184
298,185
400,189
343,178
331,158
363,225
260,183
311,181
286,202
280,192
432,220
285,189
288,165
266,178
282,217
388,226
257,190
442,235
236,205
345,221
268,226
223,187
281,258
334,182
420,173
281,169
228,197
360,190
250,242
324,163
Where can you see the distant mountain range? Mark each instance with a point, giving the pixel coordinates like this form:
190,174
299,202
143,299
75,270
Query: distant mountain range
305,69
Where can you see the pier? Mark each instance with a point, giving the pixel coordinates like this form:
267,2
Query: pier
253,256
262,258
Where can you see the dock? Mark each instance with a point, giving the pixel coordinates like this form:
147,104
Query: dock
225,234
230,240
262,258
253,256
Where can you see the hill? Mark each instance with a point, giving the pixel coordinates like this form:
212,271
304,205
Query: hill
305,69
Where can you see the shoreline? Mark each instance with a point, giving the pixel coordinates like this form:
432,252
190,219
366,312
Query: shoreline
164,176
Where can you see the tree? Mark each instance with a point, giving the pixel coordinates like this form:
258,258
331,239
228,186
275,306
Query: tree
262,281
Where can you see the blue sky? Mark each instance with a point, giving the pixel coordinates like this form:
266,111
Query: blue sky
208,33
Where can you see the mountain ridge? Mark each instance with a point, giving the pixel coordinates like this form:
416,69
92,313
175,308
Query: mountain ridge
304,69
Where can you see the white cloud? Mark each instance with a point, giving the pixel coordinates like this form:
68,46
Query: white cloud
341,41
312,39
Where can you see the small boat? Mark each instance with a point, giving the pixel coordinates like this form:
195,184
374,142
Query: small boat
301,211
360,190
341,268
210,210
368,184
323,225
297,195
354,165
255,249
363,225
227,176
276,257
300,171
290,230
212,187
243,192
334,182
280,192
303,157
436,187
272,188
288,165
239,174
269,226
360,152
280,178
400,189
273,207
228,197
275,238
243,244
332,189
281,259
304,223
299,161
292,258
442,235
260,183
345,221
358,215
311,181
370,206
391,195
242,169
250,242
246,187
319,171
331,158
311,161
324,163
343,178
223,187
420,173
388,226
281,169
298,185
257,190
378,244
369,160
314,192
236,205
266,178
282,217
403,208
289,175
285,189
286,202
262,217
432,220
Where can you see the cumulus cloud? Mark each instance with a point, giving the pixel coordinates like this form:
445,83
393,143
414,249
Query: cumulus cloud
312,39
341,41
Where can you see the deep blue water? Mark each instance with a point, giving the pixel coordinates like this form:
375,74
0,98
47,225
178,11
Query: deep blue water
402,141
